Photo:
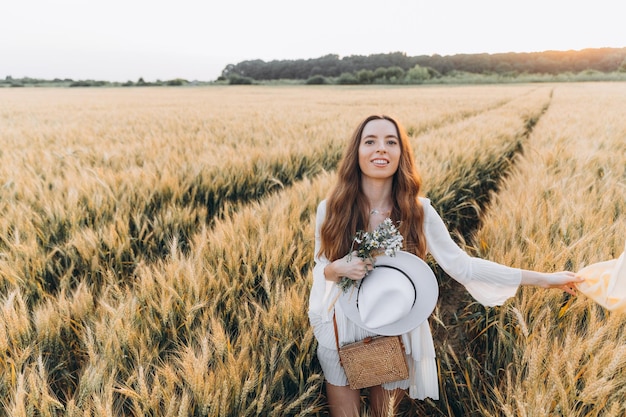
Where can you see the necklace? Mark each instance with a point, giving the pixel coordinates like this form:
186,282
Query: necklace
379,212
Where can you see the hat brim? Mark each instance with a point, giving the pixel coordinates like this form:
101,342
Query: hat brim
426,291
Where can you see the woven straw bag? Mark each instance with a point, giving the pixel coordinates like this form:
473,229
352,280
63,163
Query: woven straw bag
373,360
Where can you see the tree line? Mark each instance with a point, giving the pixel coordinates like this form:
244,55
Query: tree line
599,64
10,81
365,69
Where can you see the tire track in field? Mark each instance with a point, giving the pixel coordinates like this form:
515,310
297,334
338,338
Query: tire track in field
463,200
416,131
460,320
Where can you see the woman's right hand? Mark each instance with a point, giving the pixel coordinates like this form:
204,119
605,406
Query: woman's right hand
350,266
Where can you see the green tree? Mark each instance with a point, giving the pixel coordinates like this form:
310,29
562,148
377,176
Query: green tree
380,73
394,73
365,76
176,82
239,80
418,74
347,78
317,80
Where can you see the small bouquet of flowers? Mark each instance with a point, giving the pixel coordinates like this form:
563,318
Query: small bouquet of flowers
386,239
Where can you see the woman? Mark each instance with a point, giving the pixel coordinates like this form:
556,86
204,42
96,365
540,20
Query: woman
377,178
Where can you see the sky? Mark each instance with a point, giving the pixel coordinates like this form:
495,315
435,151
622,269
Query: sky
122,40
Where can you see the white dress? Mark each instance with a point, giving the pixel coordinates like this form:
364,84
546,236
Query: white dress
488,282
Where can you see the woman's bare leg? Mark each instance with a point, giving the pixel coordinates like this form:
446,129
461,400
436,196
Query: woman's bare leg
384,403
343,401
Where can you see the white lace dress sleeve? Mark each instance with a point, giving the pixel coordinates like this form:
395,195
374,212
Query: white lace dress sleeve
488,282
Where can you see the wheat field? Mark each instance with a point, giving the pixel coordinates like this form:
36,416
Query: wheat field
156,245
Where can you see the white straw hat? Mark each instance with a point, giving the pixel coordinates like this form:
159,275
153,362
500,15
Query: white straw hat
395,297
605,283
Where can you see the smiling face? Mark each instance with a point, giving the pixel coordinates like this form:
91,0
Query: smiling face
379,150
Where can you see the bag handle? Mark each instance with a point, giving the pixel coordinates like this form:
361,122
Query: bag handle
366,340
336,331
337,338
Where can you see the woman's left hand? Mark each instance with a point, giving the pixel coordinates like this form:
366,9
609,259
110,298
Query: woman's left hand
564,280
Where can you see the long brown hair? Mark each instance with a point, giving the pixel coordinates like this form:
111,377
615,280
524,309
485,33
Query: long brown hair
346,206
